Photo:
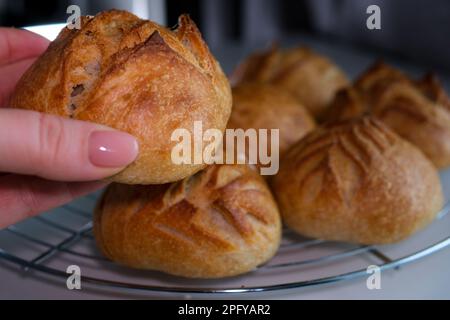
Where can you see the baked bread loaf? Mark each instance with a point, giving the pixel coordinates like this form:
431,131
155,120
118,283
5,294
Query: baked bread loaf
357,181
419,111
221,222
310,77
135,76
266,106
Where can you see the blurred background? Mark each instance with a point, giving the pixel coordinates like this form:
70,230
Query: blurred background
411,29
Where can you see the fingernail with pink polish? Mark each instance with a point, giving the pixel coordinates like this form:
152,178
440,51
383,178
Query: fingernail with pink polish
112,149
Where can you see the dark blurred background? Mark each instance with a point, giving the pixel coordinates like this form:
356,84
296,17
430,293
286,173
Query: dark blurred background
412,29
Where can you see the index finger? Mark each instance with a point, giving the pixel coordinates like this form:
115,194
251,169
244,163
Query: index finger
18,44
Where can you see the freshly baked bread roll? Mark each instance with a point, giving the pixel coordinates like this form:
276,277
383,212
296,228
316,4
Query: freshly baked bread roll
357,181
266,106
310,77
419,111
135,76
221,222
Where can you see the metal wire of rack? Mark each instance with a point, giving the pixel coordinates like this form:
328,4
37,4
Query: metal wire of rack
34,251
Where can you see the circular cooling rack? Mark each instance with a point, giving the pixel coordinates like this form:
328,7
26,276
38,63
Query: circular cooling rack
55,240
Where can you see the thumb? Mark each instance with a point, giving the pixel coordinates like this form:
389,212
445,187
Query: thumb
56,148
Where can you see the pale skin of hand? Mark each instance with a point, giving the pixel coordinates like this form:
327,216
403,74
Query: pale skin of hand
45,160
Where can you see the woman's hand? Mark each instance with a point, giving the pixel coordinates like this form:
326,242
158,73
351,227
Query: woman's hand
45,160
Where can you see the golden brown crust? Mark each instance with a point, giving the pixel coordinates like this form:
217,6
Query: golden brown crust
419,111
136,76
310,77
266,106
357,181
347,104
221,222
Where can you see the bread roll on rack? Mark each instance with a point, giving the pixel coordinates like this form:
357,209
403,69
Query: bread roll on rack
419,111
312,78
135,76
221,222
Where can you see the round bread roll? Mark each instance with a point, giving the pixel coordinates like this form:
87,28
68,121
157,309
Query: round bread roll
310,77
221,222
357,181
135,76
419,111
266,106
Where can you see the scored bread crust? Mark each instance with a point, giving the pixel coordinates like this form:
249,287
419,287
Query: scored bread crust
419,111
221,222
312,78
357,181
135,76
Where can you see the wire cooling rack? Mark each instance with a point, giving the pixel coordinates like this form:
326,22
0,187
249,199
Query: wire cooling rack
50,243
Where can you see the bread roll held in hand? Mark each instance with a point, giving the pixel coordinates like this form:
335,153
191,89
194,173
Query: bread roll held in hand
135,76
357,181
221,222
266,106
419,111
310,77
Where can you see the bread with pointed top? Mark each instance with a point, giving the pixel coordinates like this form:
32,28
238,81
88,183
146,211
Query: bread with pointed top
135,76
417,110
